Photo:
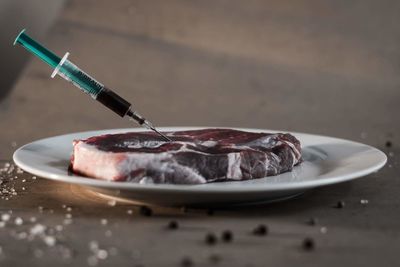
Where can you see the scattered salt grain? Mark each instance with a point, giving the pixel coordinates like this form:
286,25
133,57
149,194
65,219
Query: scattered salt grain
68,216
33,177
323,230
103,221
32,219
49,240
102,254
18,221
5,217
67,221
364,201
129,212
37,229
59,228
93,245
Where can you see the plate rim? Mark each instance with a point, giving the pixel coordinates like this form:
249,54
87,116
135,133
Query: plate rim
287,186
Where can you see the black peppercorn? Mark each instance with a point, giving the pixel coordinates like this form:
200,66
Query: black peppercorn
210,212
184,209
146,211
340,204
308,243
260,230
211,239
313,221
227,236
187,262
173,225
388,144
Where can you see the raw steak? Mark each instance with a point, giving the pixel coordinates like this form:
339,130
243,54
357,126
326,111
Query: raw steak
194,157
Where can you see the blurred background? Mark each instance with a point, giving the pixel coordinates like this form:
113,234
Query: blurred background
327,67
38,16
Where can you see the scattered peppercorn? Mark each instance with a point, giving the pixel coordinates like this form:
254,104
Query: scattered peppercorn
184,209
227,236
210,212
340,204
388,144
260,230
173,225
313,221
187,262
308,243
146,211
211,239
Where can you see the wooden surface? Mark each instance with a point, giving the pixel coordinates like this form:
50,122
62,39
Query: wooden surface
319,67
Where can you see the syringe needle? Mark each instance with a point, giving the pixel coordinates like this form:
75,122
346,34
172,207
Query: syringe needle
145,123
150,126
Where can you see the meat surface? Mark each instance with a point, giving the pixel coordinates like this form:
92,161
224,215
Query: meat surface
194,157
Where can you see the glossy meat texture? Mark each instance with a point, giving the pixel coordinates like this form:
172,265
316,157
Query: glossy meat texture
194,157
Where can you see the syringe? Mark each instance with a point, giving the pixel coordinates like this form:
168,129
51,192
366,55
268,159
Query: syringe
70,72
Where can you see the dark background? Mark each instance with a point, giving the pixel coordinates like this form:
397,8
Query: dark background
324,67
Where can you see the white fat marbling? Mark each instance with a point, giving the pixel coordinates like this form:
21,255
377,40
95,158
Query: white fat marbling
141,144
209,143
234,171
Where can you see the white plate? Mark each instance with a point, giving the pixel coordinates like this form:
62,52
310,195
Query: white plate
327,161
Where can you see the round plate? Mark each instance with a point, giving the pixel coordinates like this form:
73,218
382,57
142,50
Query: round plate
327,161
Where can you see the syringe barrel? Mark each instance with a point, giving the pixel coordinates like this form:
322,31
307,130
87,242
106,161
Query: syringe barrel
79,78
95,89
114,102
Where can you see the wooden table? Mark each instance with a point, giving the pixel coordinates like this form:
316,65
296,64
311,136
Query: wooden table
325,68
